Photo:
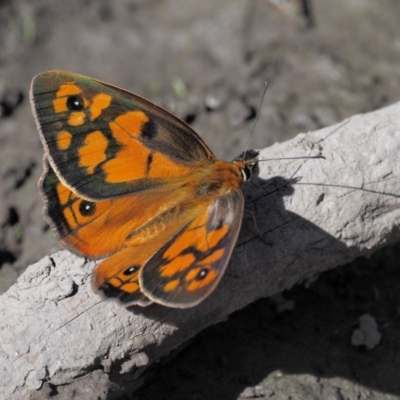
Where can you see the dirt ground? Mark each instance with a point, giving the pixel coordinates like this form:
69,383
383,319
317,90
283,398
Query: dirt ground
207,63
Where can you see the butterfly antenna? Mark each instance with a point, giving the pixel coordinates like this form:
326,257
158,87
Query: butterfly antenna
255,119
292,158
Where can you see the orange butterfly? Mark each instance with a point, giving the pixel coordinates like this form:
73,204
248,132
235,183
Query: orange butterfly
128,182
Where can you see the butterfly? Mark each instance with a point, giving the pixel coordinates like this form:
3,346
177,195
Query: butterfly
127,182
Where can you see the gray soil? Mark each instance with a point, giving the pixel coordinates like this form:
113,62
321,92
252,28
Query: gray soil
207,63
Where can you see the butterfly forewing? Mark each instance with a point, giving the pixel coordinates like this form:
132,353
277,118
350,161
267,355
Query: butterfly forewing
105,142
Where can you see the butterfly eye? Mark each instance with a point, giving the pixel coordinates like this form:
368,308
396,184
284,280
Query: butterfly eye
75,103
131,270
87,208
246,173
202,274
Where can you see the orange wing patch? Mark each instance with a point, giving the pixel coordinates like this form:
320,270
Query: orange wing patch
93,152
177,264
213,257
99,103
64,140
68,90
126,130
132,123
214,237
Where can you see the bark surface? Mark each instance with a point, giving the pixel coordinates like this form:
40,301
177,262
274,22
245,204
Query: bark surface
313,215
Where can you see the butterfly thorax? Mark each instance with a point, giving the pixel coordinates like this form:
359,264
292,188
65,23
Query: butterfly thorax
218,179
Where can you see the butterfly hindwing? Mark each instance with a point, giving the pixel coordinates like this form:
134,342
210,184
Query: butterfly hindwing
118,277
100,228
106,142
75,221
189,266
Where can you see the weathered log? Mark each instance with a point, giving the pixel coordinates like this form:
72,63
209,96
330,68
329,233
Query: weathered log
312,214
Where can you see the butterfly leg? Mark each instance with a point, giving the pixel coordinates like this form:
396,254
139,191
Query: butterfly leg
255,226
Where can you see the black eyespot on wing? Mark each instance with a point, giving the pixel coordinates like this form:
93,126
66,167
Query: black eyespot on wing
75,103
131,270
202,274
87,208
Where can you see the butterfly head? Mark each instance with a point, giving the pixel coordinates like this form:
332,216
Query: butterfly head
246,167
